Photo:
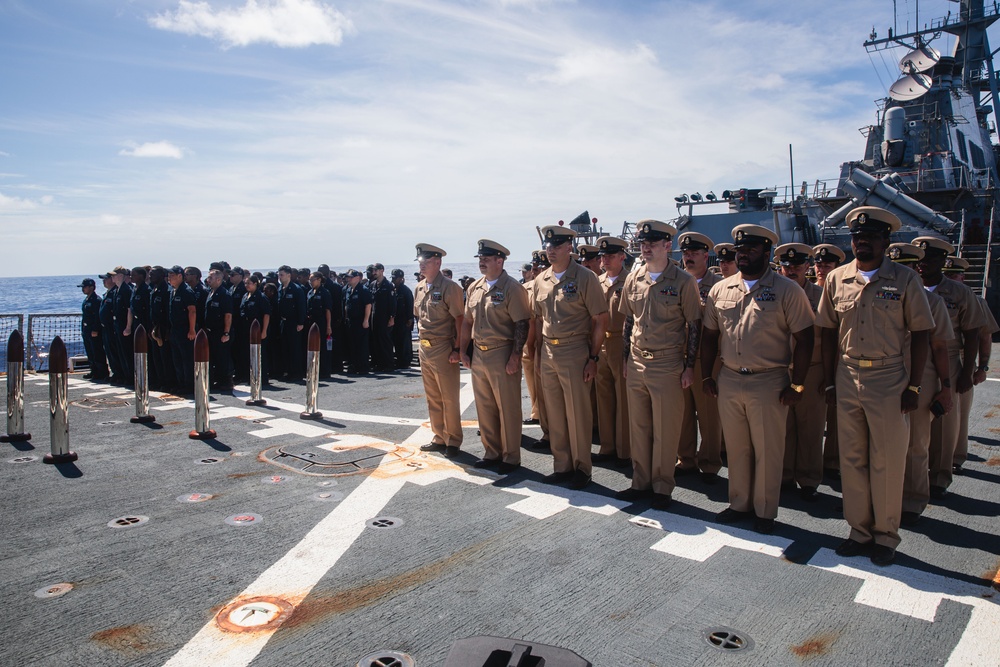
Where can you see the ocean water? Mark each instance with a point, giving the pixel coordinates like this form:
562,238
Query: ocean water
60,295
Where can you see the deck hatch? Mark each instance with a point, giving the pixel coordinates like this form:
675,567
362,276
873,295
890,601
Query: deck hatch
727,639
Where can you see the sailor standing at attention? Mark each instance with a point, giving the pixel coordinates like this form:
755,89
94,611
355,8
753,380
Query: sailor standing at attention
701,411
662,311
91,331
571,316
867,307
183,320
754,318
804,434
497,316
612,394
438,307
828,257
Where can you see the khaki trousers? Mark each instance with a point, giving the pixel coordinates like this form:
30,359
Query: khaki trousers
804,434
441,386
528,366
612,401
874,438
961,454
655,405
916,482
498,403
754,423
701,413
831,450
944,434
532,375
567,403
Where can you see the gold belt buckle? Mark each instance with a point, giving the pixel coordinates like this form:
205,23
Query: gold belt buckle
553,341
865,363
424,342
484,348
607,334
645,354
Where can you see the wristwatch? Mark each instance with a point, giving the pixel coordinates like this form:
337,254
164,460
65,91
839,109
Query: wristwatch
915,388
595,357
984,369
798,388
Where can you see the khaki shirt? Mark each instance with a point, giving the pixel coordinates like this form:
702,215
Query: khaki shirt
872,318
963,308
661,309
495,310
991,323
613,295
756,326
706,284
566,306
814,293
436,305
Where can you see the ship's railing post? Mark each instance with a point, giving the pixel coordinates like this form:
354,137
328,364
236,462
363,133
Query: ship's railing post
140,349
202,426
255,365
312,375
59,405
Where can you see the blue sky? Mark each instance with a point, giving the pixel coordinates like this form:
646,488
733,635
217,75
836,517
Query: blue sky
305,131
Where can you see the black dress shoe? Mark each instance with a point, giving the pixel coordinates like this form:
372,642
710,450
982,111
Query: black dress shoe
557,477
938,492
540,445
88,376
763,526
622,463
632,495
602,458
661,501
831,473
432,447
486,463
955,470
530,422
729,515
909,518
451,451
507,468
580,481
681,472
882,555
808,493
850,548
790,485
709,478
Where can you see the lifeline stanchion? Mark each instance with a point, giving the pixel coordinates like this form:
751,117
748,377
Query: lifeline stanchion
15,390
255,368
202,430
140,347
59,404
312,375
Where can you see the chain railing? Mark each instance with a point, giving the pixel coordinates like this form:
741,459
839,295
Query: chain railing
8,322
43,328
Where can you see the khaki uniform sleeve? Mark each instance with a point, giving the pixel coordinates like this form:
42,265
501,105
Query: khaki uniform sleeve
991,323
594,298
710,316
916,310
972,313
624,304
456,305
826,314
691,301
942,323
798,312
520,307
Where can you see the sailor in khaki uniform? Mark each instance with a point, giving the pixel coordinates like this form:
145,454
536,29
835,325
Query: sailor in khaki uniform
612,395
804,434
916,482
828,257
532,375
571,316
701,411
955,268
663,326
966,320
496,320
590,257
753,319
438,307
867,307
726,252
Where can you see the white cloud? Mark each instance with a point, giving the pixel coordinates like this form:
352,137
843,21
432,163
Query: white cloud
20,203
152,149
286,23
4,154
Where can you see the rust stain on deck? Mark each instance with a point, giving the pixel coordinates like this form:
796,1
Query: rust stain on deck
993,576
814,646
995,461
128,639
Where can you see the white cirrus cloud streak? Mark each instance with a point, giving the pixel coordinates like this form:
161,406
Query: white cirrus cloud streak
284,23
152,149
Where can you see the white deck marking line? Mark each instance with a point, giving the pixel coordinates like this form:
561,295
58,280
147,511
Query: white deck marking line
299,570
543,504
918,594
697,540
355,440
336,414
283,426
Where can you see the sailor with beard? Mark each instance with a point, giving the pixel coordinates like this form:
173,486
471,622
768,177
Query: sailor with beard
760,322
701,411
866,309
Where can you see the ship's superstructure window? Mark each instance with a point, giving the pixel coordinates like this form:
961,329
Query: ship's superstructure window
960,140
978,159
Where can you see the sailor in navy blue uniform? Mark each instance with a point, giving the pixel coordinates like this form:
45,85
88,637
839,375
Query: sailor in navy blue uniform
159,315
337,313
192,276
255,306
139,314
383,318
123,299
291,313
107,313
183,320
218,325
93,342
357,315
319,311
402,329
